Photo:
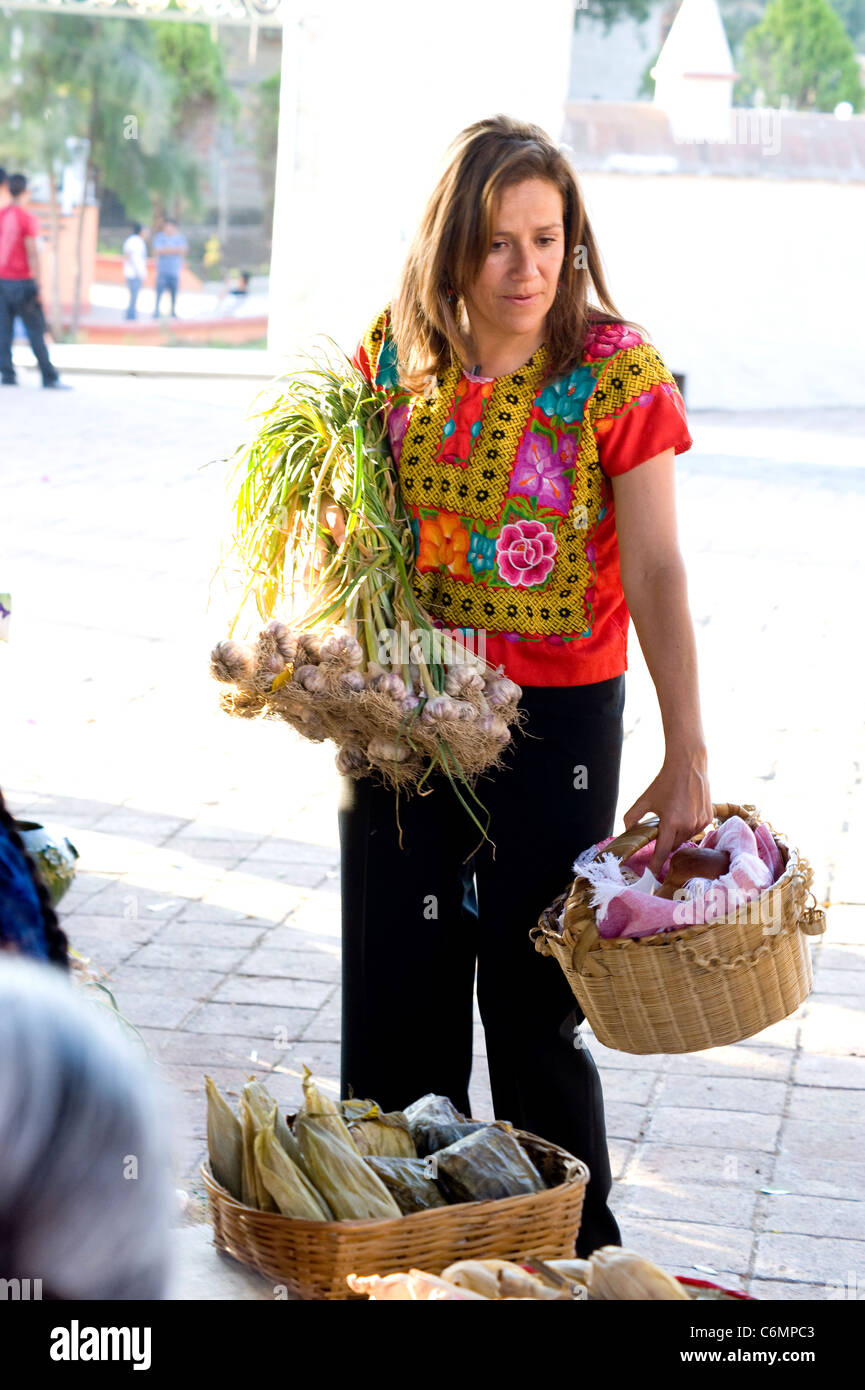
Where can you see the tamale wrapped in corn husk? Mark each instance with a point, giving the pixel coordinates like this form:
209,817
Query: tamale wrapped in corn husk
355,1109
317,1104
224,1140
409,1182
435,1122
351,1189
485,1166
387,1135
287,1184
262,1103
255,1194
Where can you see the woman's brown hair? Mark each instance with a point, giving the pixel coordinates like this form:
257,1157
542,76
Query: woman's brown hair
454,238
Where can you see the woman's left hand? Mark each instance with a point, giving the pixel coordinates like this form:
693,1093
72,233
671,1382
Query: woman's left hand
679,796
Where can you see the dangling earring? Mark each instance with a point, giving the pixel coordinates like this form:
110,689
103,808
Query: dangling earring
450,293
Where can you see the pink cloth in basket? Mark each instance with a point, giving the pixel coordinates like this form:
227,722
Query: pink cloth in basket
624,909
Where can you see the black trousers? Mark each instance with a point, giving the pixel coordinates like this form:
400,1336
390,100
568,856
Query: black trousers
417,919
18,298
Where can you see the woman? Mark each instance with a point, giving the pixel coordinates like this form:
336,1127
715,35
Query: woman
534,440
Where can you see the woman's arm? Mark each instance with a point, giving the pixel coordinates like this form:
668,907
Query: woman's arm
656,592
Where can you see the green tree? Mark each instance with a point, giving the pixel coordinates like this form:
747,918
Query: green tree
800,56
610,12
139,93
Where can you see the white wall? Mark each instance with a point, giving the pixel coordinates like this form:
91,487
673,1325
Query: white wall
609,65
753,287
382,87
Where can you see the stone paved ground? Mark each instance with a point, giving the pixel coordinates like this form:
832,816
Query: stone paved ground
208,886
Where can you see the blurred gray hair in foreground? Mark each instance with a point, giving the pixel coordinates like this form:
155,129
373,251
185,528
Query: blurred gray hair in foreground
80,1109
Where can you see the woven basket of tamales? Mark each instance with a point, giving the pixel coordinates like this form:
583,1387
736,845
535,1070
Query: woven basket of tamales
703,986
311,1259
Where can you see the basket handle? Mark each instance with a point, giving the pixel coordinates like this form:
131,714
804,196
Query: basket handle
644,832
583,937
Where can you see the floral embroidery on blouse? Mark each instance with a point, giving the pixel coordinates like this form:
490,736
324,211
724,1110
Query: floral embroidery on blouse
525,553
507,481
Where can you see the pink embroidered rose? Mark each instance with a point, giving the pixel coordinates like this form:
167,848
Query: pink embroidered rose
603,339
525,553
397,421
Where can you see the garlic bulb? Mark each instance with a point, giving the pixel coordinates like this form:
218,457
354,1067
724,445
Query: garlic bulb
501,691
310,677
231,661
465,710
408,703
391,685
308,648
440,709
352,681
350,759
462,678
495,727
385,751
285,639
342,647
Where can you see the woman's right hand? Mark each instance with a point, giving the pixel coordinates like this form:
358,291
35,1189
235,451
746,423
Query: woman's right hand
334,521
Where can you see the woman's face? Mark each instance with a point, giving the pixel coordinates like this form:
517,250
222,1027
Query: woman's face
517,285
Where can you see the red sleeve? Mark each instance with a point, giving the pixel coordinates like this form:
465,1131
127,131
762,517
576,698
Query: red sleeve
637,410
360,359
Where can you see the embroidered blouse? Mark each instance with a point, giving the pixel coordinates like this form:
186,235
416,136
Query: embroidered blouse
507,483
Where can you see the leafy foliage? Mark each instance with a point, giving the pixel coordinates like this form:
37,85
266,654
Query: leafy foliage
133,89
610,12
799,55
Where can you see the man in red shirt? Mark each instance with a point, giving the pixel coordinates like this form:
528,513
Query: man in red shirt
19,285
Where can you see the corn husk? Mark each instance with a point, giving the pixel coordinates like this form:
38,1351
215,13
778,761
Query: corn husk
262,1102
416,1284
350,1187
409,1182
317,1104
392,1288
620,1275
224,1141
385,1135
503,1279
289,1187
355,1109
255,1194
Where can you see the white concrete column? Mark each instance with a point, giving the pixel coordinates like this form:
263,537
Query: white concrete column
372,94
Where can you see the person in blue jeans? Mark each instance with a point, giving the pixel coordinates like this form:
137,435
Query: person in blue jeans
20,276
169,248
134,266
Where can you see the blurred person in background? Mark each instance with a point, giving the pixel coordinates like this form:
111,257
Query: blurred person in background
235,289
134,266
20,274
4,202
86,1198
169,247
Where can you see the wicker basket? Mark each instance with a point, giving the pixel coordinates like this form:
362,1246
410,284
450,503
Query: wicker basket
703,986
312,1258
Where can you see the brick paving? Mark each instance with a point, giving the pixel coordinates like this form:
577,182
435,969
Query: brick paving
208,882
